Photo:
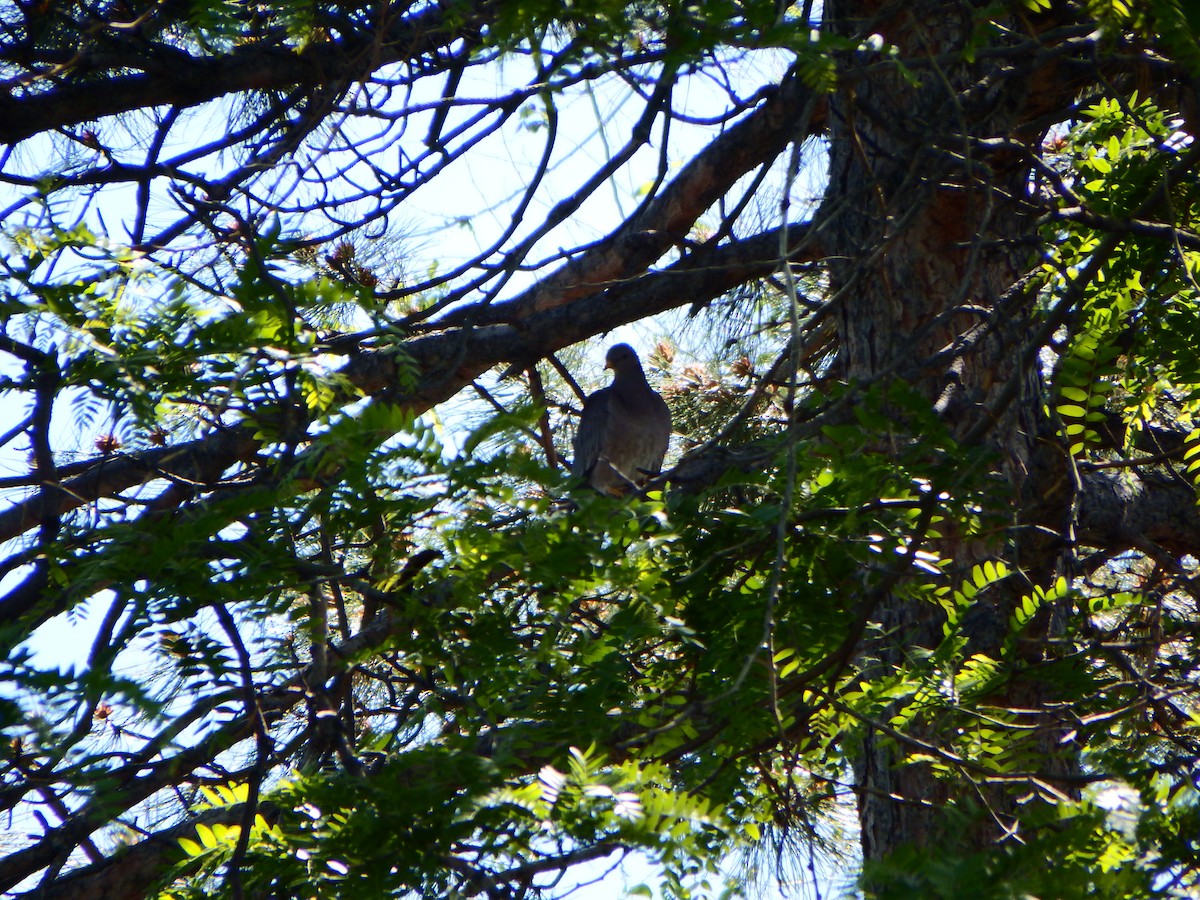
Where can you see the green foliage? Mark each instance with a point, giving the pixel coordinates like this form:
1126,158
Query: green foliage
1086,851
1176,24
367,641
1119,155
684,32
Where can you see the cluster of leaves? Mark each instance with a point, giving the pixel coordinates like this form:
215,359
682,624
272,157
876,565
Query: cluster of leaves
671,633
1121,172
358,662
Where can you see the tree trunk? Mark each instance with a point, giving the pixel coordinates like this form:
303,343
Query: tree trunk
930,226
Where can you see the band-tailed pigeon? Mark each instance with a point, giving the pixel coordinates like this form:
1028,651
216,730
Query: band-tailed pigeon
624,429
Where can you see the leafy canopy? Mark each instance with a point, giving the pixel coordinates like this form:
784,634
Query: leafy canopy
288,612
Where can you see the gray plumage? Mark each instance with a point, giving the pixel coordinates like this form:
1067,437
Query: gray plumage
624,429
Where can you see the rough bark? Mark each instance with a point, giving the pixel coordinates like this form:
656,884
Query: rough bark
929,231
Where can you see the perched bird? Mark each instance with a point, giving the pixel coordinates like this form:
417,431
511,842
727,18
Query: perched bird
624,429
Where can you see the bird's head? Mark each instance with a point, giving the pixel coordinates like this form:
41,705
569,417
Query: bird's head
621,358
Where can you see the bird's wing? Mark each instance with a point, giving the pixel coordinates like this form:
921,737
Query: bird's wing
641,442
637,429
659,433
589,436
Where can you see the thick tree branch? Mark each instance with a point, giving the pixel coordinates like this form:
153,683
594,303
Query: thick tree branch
1122,510
791,113
133,871
447,362
191,80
